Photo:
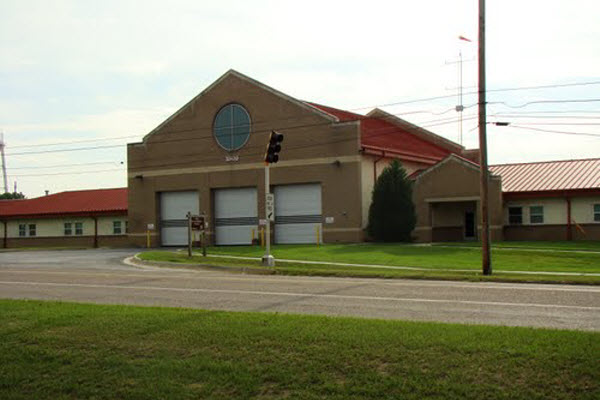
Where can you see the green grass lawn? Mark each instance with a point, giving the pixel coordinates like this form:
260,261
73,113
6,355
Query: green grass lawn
54,350
440,262
450,257
579,245
292,268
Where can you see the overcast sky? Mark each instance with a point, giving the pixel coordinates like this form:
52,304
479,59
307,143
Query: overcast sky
76,73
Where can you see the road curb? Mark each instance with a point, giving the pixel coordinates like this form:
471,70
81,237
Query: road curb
136,261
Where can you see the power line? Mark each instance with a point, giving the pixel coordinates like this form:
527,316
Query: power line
205,137
574,117
67,165
544,102
554,131
70,173
75,141
487,91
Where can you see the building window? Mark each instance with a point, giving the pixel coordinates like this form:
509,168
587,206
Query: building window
116,227
596,212
31,229
515,215
22,230
536,214
79,228
232,127
68,228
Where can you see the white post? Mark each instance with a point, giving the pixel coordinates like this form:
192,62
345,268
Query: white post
267,260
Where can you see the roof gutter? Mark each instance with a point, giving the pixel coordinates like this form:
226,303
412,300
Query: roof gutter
379,151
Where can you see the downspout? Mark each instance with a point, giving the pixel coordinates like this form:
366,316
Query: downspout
375,166
95,232
5,239
569,230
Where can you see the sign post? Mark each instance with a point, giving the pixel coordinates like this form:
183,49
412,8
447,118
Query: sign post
197,223
189,225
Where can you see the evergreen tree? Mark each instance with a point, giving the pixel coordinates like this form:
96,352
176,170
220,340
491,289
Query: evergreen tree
11,196
392,215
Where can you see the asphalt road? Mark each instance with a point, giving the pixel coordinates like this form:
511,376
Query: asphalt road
100,276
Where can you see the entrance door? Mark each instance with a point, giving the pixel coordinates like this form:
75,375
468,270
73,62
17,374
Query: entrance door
469,225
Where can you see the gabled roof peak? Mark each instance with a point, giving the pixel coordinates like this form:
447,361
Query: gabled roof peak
233,73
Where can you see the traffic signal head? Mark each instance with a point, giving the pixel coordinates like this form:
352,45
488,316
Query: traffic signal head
273,148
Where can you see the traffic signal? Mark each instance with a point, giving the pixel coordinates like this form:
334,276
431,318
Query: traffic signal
273,148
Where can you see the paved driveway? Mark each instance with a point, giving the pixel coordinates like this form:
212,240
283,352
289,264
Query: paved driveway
100,276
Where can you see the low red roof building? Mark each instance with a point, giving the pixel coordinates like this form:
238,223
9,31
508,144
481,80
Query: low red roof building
81,202
551,200
75,218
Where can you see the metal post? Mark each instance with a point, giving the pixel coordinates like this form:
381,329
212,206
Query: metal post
189,224
267,260
484,179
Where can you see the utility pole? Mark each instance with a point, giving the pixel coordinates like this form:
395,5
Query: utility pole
4,163
460,108
484,179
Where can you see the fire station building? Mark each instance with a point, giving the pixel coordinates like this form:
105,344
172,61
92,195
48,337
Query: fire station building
208,158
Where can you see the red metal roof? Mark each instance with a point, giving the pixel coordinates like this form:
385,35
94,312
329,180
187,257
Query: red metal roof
99,201
549,175
380,135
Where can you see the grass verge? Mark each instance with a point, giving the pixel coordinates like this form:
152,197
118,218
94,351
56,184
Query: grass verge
290,268
54,350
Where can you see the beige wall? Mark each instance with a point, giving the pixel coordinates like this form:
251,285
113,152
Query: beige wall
555,226
582,209
54,227
555,210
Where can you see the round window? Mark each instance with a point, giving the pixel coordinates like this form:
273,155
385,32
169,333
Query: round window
232,127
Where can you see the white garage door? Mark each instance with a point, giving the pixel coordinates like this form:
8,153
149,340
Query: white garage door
236,215
298,213
174,207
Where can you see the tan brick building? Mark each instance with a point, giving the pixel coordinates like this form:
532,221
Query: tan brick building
208,158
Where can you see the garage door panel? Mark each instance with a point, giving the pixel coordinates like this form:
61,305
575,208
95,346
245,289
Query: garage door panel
298,213
174,207
297,233
298,199
172,236
234,235
236,214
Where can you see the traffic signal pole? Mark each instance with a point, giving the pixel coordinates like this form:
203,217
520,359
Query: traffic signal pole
267,260
271,157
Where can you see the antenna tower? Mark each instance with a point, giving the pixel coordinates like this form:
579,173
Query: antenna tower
3,162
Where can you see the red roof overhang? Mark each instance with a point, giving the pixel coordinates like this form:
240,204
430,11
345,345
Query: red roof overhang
405,155
550,193
86,214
